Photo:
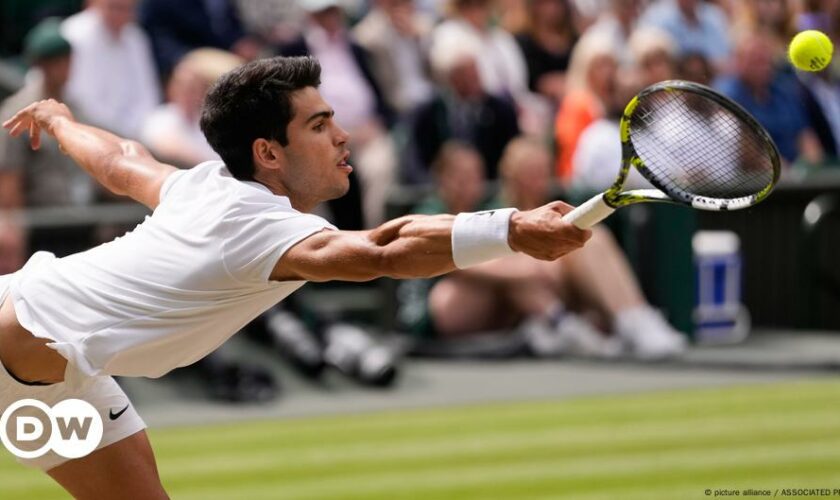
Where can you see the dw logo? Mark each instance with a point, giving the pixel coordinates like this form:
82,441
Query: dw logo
71,428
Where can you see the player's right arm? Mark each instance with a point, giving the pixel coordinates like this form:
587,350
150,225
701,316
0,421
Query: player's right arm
419,246
124,167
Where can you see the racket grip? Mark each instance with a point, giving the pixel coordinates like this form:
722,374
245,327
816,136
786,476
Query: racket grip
590,213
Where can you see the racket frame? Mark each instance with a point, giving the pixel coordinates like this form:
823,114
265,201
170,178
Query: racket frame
603,204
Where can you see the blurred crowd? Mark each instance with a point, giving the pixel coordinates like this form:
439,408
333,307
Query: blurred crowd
482,102
406,76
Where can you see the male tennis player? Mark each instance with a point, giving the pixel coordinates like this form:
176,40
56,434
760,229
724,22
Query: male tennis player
227,240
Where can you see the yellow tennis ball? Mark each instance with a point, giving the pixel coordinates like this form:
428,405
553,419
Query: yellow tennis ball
810,50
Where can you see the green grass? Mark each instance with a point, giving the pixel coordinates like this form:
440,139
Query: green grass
666,445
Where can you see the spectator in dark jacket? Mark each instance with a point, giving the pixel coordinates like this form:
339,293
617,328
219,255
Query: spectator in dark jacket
177,27
770,95
462,110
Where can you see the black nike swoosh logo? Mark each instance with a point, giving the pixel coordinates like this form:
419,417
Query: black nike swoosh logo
114,416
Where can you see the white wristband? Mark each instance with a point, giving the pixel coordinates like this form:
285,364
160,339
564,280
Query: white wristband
480,236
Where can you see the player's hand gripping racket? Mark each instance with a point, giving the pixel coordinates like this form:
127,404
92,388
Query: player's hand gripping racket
696,146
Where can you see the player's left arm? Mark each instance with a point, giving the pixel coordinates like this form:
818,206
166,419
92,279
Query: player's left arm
123,166
419,246
423,241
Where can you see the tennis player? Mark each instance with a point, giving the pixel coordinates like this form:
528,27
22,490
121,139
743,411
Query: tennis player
227,240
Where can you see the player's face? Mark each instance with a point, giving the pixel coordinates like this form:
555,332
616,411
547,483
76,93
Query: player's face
316,156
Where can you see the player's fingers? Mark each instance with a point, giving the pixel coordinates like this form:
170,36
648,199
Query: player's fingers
17,117
10,122
571,236
577,235
34,135
560,207
17,128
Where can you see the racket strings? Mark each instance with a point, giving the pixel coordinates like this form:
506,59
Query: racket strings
694,145
716,158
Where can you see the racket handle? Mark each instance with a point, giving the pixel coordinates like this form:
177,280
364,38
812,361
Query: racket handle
590,213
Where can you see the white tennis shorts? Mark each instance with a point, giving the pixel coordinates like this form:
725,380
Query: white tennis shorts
119,417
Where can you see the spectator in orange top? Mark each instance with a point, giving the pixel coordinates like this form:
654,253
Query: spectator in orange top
589,85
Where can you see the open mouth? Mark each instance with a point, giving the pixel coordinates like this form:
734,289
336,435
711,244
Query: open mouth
343,162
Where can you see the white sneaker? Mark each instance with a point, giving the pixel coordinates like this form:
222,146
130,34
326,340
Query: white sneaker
539,337
581,338
572,335
647,335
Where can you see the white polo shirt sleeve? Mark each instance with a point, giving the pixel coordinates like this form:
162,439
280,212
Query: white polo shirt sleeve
171,179
260,230
252,251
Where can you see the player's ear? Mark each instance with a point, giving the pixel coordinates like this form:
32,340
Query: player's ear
268,154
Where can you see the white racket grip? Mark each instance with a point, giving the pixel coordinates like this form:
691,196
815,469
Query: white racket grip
590,213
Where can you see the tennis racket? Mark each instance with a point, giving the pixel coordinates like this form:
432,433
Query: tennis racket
695,146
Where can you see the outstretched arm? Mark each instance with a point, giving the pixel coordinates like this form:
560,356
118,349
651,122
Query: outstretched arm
124,167
419,246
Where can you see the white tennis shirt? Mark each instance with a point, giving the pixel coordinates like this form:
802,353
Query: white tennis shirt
173,289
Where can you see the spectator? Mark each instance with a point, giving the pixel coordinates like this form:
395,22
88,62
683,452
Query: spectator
502,66
547,45
771,97
617,23
597,281
598,153
176,28
697,26
694,67
347,83
45,176
172,130
653,53
461,109
113,79
775,17
531,295
275,21
395,36
458,174
459,180
589,87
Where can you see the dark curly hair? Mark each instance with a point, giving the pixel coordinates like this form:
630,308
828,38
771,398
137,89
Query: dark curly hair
251,102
